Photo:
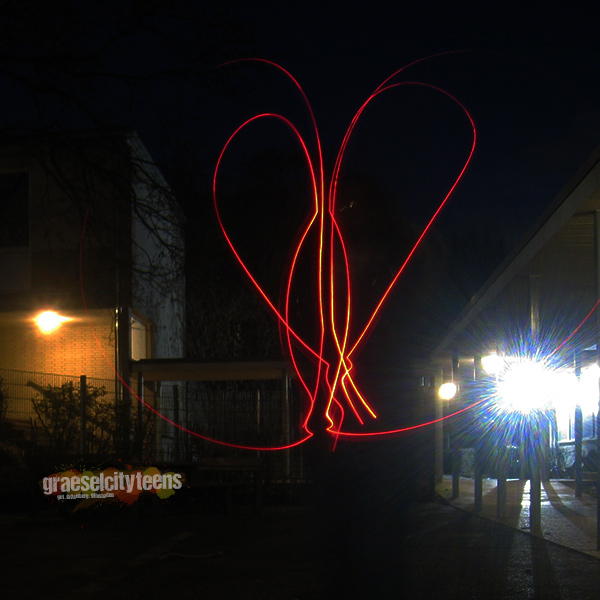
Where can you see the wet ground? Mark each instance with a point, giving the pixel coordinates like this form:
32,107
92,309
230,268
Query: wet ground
565,518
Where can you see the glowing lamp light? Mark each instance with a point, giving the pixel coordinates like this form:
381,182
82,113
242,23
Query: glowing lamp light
49,321
526,385
447,391
492,364
587,391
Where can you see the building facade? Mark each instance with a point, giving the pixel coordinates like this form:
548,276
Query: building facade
89,230
523,356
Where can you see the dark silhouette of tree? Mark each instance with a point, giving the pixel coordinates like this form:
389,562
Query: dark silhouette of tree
105,66
105,63
263,202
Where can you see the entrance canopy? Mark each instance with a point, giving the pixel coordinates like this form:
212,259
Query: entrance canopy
546,290
181,369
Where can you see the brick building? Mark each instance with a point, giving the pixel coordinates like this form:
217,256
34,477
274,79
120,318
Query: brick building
89,229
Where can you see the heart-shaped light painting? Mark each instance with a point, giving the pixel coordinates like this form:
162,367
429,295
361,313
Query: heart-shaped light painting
330,385
331,378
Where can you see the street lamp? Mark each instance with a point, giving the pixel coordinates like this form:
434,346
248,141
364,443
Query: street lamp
525,385
447,390
493,364
48,321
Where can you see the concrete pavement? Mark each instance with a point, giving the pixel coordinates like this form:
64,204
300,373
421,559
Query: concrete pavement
566,520
423,551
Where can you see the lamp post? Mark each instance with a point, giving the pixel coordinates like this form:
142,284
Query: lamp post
597,288
446,392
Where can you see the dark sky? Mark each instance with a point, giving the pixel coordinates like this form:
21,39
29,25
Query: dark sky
529,78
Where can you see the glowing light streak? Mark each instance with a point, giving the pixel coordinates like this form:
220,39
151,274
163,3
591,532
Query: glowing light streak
392,432
572,334
334,380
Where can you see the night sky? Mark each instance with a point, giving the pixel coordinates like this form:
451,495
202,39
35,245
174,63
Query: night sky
528,78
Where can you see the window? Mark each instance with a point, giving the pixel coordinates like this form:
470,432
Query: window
139,339
14,210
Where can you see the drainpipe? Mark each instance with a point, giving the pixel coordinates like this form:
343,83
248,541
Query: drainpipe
578,435
597,277
535,421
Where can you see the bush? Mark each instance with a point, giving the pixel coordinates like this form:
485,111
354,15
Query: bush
59,411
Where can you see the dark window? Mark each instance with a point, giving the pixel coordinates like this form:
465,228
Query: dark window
14,209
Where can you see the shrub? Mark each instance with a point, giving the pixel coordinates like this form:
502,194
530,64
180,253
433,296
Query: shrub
59,411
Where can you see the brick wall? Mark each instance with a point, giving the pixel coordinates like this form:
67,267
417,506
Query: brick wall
79,347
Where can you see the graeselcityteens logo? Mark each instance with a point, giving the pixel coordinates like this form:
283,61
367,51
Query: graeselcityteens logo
125,487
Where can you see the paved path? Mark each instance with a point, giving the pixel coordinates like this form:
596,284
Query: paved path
566,520
456,555
375,549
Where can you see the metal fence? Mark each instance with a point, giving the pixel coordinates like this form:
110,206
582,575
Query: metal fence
218,418
42,411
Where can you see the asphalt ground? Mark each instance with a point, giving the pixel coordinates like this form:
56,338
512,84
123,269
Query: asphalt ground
565,519
311,550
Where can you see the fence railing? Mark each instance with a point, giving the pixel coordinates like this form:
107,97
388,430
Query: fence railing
249,414
43,411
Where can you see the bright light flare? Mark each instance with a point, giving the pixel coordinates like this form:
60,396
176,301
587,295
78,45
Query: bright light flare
493,364
586,394
526,385
49,321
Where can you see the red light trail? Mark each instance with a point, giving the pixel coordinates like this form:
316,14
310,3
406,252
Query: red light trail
333,356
